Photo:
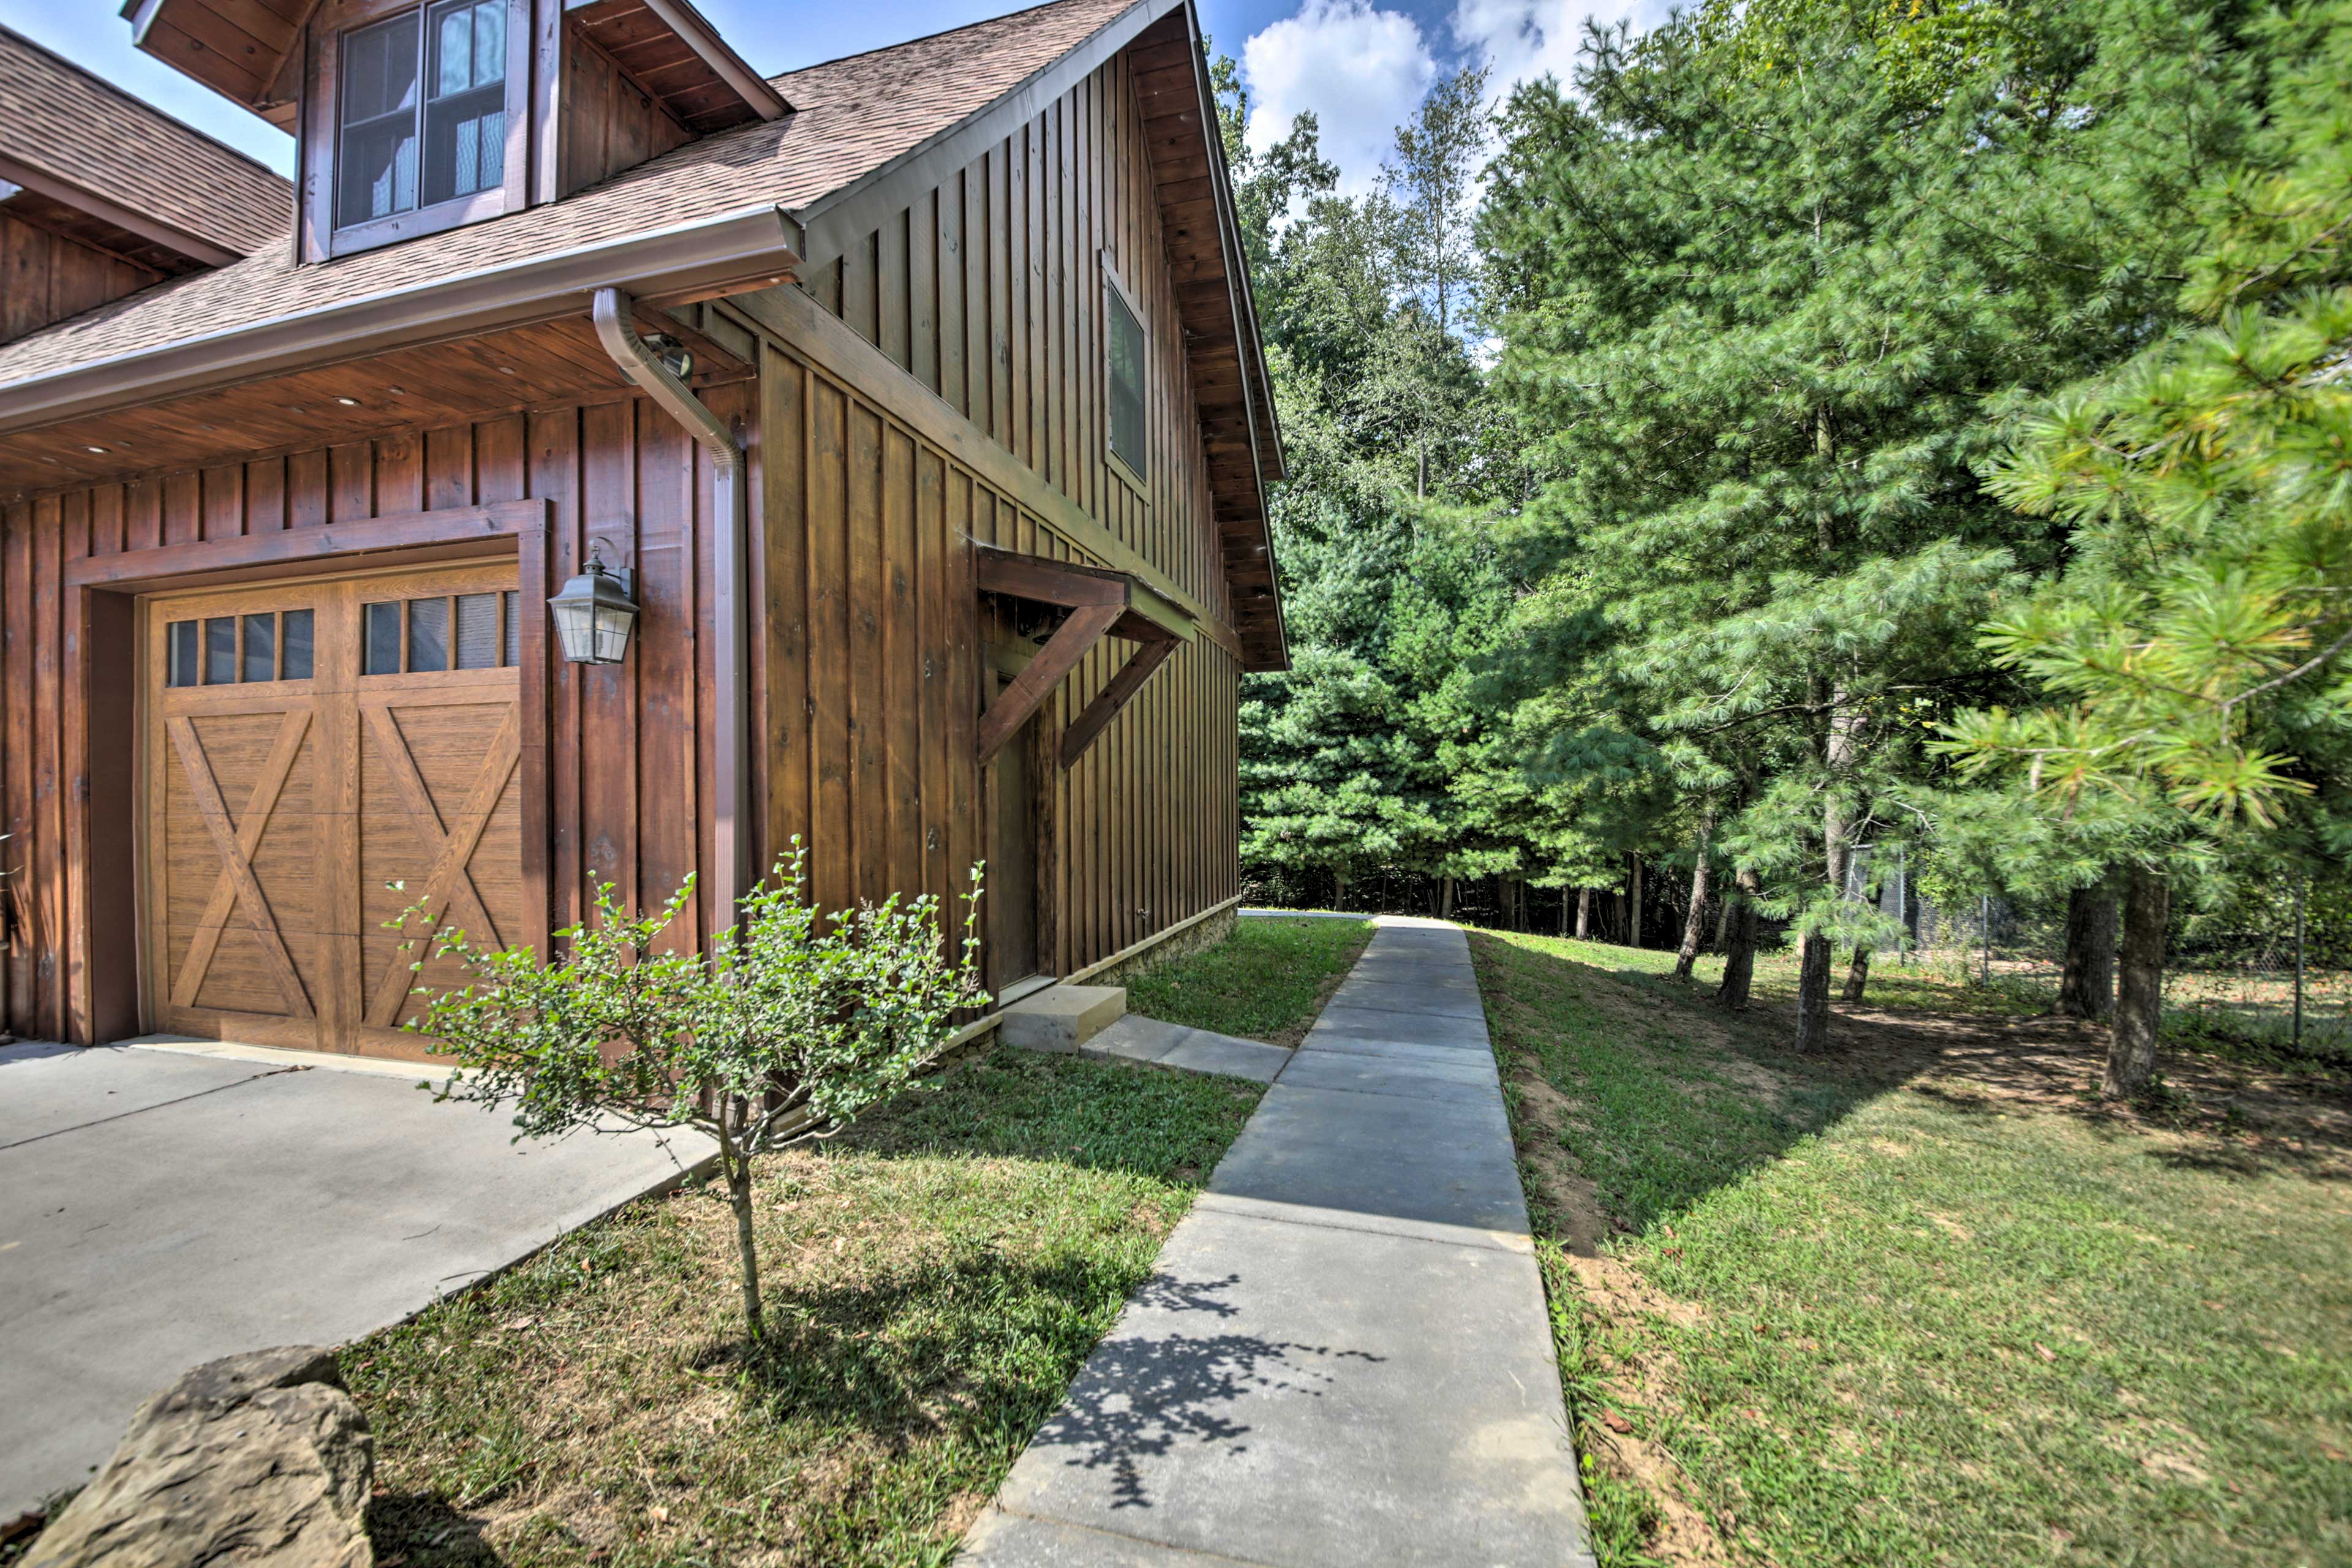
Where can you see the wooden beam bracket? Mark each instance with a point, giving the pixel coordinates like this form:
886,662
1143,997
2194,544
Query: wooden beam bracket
1090,724
1029,690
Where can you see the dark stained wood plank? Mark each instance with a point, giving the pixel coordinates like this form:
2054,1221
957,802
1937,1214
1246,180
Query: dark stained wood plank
833,848
936,645
902,665
17,639
869,783
785,415
552,444
48,847
608,737
663,656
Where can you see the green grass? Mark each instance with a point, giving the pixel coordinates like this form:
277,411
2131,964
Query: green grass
935,1278
1895,1305
1266,982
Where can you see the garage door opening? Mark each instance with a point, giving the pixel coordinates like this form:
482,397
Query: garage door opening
318,758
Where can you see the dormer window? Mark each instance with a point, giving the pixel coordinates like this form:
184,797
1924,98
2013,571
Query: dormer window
461,57
423,121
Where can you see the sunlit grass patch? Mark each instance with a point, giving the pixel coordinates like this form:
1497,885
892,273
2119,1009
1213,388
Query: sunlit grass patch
1906,1302
934,1281
1266,982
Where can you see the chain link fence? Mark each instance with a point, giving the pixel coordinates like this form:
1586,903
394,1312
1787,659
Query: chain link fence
2274,988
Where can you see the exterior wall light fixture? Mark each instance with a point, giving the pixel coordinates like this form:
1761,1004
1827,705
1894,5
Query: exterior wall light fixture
594,616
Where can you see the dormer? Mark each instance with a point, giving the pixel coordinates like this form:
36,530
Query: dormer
101,195
416,116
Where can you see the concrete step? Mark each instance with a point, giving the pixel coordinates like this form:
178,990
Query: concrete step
1061,1018
1135,1038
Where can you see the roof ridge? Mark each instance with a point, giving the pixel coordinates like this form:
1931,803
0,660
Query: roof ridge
781,76
154,111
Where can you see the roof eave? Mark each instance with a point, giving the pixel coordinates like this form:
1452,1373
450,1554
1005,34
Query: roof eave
753,248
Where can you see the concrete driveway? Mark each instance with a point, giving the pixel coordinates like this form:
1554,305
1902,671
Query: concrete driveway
161,1206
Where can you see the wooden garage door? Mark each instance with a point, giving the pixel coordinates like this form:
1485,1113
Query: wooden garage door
320,756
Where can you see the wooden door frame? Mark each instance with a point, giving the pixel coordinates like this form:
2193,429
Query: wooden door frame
104,704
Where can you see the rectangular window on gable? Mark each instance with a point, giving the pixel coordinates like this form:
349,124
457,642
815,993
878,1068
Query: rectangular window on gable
421,110
1123,373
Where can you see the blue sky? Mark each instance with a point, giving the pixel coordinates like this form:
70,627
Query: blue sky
1361,67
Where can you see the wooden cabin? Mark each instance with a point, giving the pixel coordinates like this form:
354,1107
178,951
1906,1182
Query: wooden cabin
915,400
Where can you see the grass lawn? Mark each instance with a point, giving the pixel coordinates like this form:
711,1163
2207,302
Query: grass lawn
935,1277
1920,1299
1266,982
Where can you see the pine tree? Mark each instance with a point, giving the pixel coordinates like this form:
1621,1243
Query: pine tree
1768,313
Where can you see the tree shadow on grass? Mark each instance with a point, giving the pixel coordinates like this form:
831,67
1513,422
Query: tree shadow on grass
421,1530
1663,1096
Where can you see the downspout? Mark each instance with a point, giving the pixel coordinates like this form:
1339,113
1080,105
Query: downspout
731,839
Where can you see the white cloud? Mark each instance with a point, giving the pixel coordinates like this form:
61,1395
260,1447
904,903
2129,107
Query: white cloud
1361,71
1523,39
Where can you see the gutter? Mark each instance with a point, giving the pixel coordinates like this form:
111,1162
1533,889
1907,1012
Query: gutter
616,329
751,249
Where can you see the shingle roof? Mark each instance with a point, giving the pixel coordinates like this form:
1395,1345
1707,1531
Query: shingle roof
59,119
852,116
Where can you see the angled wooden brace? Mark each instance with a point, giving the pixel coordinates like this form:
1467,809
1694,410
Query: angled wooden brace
1089,725
1069,643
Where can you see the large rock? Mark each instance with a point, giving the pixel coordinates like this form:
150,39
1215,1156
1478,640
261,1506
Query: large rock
252,1459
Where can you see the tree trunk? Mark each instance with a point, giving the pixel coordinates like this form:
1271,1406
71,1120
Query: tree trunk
1739,944
2087,984
1695,923
2139,1000
738,1168
1857,974
1633,908
1563,911
1722,923
1839,745
1339,890
1813,955
1446,900
1583,915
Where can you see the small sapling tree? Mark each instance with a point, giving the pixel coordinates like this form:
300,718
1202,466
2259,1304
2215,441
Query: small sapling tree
792,1023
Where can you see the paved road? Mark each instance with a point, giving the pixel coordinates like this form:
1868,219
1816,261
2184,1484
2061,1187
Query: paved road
1343,1360
165,1207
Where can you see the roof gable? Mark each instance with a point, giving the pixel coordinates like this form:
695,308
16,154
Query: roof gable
74,139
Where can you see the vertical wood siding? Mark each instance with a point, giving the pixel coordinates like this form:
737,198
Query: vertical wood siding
46,277
987,290
609,124
629,764
875,659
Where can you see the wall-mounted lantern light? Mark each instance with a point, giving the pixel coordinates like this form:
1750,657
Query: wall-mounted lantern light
594,616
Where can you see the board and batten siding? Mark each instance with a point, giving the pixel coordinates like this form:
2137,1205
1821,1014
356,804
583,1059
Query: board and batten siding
46,277
875,676
624,768
986,290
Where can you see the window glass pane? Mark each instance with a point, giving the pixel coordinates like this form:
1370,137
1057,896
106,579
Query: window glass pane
260,647
220,650
180,654
1126,349
514,628
429,634
478,631
464,122
382,656
294,627
378,166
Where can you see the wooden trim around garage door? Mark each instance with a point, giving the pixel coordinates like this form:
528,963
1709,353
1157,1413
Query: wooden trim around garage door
101,696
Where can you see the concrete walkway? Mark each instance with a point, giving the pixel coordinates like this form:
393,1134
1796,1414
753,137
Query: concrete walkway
1343,1360
168,1205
